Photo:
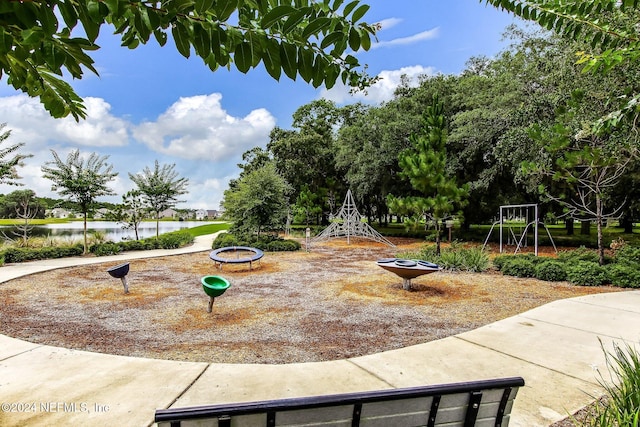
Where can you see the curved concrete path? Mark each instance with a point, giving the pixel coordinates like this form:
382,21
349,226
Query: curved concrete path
555,348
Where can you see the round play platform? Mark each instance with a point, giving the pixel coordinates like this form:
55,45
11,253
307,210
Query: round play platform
219,260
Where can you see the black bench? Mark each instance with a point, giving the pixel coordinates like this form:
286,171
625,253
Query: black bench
478,403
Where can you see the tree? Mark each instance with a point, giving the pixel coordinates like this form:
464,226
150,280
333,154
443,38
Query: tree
160,188
424,165
8,173
131,212
43,39
80,181
258,202
590,165
22,204
609,26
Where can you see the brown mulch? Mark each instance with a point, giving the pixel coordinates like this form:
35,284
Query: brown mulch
330,303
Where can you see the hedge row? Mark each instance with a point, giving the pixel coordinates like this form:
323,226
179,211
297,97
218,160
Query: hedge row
579,267
265,242
171,240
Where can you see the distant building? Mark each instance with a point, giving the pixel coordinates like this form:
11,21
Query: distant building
59,213
100,213
168,213
201,214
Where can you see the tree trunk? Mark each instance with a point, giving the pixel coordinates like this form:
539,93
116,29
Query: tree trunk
599,221
627,224
568,223
85,249
585,228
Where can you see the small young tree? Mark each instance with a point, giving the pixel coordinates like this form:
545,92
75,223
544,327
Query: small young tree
258,202
424,165
80,180
131,212
160,188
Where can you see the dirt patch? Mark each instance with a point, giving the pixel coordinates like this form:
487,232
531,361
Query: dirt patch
333,302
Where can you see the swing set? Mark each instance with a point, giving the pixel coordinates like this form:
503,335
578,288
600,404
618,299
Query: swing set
521,217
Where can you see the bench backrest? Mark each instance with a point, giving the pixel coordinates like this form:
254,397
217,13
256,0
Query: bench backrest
479,403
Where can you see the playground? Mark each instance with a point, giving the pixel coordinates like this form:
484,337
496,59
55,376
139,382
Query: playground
330,303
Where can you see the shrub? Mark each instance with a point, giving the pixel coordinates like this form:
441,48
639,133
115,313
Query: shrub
622,386
500,260
585,273
579,254
551,270
628,255
519,266
104,249
283,246
13,254
266,242
175,239
465,259
624,276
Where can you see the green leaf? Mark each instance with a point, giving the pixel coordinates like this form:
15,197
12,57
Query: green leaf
289,59
293,20
349,7
354,39
305,64
360,12
331,39
224,8
271,59
243,57
181,39
275,15
201,40
202,6
316,26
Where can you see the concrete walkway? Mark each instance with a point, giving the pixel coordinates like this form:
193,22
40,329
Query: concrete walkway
556,348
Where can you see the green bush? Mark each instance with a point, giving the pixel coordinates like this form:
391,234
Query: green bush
627,255
551,270
175,239
266,242
13,255
519,266
500,260
579,254
283,246
585,273
465,259
624,276
104,249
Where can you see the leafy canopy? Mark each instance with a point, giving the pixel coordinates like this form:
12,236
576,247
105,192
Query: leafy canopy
40,40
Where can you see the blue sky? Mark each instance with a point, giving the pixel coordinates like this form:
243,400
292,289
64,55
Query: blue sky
153,104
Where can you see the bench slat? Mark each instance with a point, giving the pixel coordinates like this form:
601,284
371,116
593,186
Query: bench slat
479,403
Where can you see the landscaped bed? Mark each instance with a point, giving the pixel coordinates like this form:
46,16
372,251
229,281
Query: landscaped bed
332,302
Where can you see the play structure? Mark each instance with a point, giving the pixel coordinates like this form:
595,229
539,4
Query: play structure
120,272
256,255
348,222
520,218
214,286
408,269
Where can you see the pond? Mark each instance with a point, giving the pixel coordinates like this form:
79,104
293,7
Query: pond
113,230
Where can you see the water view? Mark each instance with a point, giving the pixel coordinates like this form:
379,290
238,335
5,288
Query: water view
113,231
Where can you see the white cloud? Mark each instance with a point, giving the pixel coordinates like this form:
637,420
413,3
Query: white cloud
424,35
388,23
31,123
99,129
383,89
198,127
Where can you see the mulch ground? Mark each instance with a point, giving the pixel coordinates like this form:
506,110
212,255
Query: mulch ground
330,303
